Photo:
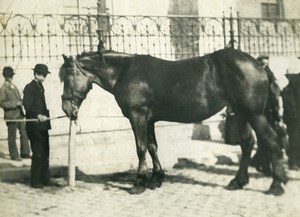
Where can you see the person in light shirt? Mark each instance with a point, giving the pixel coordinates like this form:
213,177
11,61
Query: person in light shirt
11,103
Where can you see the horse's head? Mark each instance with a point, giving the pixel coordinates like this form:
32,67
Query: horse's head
77,84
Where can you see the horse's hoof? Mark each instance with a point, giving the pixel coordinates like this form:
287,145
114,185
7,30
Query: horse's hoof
153,185
234,185
137,190
276,191
156,180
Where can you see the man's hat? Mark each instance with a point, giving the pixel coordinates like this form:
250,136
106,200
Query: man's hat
41,68
292,76
8,71
262,57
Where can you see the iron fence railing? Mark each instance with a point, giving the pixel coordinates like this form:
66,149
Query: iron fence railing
46,37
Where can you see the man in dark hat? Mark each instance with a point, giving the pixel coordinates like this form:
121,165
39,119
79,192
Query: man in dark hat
264,61
35,106
11,102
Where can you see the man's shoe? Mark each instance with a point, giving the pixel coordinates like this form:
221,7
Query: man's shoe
37,186
16,158
25,156
293,167
51,183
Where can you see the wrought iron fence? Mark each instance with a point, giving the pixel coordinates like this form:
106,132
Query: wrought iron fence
46,37
26,37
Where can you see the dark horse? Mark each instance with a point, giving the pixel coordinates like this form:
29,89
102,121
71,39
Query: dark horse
149,89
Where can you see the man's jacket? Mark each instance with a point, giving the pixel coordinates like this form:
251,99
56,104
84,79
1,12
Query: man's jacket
9,96
289,108
35,104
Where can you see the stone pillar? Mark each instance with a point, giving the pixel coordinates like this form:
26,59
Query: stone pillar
103,22
184,31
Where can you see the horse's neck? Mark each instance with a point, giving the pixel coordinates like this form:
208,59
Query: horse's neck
108,79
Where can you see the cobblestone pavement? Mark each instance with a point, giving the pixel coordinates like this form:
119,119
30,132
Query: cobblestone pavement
190,189
195,187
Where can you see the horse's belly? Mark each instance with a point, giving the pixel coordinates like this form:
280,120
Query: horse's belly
187,113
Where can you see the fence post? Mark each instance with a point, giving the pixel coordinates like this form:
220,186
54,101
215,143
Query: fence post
238,20
224,29
231,31
100,41
90,30
108,31
71,161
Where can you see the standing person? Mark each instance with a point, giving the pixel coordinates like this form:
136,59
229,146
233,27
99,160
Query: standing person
11,102
35,107
291,96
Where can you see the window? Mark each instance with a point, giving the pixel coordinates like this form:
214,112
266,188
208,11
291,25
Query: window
270,10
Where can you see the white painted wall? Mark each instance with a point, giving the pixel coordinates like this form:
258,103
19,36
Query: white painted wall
138,7
247,8
292,9
31,6
215,8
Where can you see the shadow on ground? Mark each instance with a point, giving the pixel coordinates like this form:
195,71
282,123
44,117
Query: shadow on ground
125,180
185,163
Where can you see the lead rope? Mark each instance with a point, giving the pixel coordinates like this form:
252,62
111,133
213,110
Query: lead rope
78,126
75,112
33,119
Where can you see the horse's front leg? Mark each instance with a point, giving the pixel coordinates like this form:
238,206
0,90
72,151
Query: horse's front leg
158,174
246,143
138,122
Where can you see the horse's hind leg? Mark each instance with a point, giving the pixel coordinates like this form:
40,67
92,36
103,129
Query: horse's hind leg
157,173
246,143
269,138
261,160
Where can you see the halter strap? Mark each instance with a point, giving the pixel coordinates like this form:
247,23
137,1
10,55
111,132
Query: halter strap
76,95
83,71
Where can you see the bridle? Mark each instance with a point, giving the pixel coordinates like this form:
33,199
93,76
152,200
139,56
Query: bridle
75,94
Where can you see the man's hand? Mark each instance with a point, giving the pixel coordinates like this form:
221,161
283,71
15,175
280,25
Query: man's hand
42,118
19,103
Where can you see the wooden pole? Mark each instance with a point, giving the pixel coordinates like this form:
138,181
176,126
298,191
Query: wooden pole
72,142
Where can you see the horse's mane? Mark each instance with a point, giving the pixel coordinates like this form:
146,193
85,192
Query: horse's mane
106,53
117,57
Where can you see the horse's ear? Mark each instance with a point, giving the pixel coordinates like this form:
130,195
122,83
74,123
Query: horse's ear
65,58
